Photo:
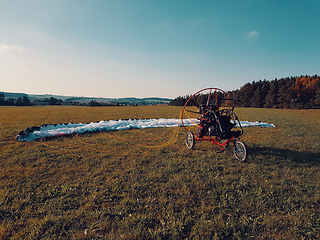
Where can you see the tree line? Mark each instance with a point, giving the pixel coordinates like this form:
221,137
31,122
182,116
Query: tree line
25,101
301,92
20,101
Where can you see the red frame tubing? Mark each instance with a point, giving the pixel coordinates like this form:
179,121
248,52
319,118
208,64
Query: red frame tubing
215,140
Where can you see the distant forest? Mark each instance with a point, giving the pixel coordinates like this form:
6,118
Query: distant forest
292,92
20,101
25,101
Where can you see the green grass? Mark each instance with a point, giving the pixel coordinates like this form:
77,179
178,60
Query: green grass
130,185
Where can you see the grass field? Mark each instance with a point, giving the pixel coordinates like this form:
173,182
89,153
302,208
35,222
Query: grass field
141,184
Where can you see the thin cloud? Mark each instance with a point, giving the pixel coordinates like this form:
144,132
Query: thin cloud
253,35
5,47
8,48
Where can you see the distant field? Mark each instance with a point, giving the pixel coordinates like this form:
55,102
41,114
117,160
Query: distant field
146,184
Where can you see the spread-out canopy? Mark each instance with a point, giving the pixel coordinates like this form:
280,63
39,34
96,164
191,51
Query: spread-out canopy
55,130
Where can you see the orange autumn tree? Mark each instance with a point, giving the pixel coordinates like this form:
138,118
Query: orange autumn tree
306,89
306,85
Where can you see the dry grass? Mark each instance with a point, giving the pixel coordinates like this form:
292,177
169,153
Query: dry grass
130,185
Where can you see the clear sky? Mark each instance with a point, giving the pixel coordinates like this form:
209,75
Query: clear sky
163,48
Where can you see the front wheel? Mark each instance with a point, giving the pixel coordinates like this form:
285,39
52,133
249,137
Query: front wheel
190,140
240,150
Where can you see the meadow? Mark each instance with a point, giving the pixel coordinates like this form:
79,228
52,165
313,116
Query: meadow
146,184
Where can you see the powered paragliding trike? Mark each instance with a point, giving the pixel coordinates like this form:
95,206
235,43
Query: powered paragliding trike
211,111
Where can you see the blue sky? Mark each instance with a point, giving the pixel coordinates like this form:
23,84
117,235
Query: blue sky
163,48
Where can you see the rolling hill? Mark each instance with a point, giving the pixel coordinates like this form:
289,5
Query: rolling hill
86,100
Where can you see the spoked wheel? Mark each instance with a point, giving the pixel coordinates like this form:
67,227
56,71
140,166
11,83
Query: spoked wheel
190,140
240,150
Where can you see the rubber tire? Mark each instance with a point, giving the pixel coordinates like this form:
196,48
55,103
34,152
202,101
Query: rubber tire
190,140
240,150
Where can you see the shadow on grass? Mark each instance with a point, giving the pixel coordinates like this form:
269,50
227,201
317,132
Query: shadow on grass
277,155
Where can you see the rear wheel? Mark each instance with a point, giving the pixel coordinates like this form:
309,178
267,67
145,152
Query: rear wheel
190,140
240,150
